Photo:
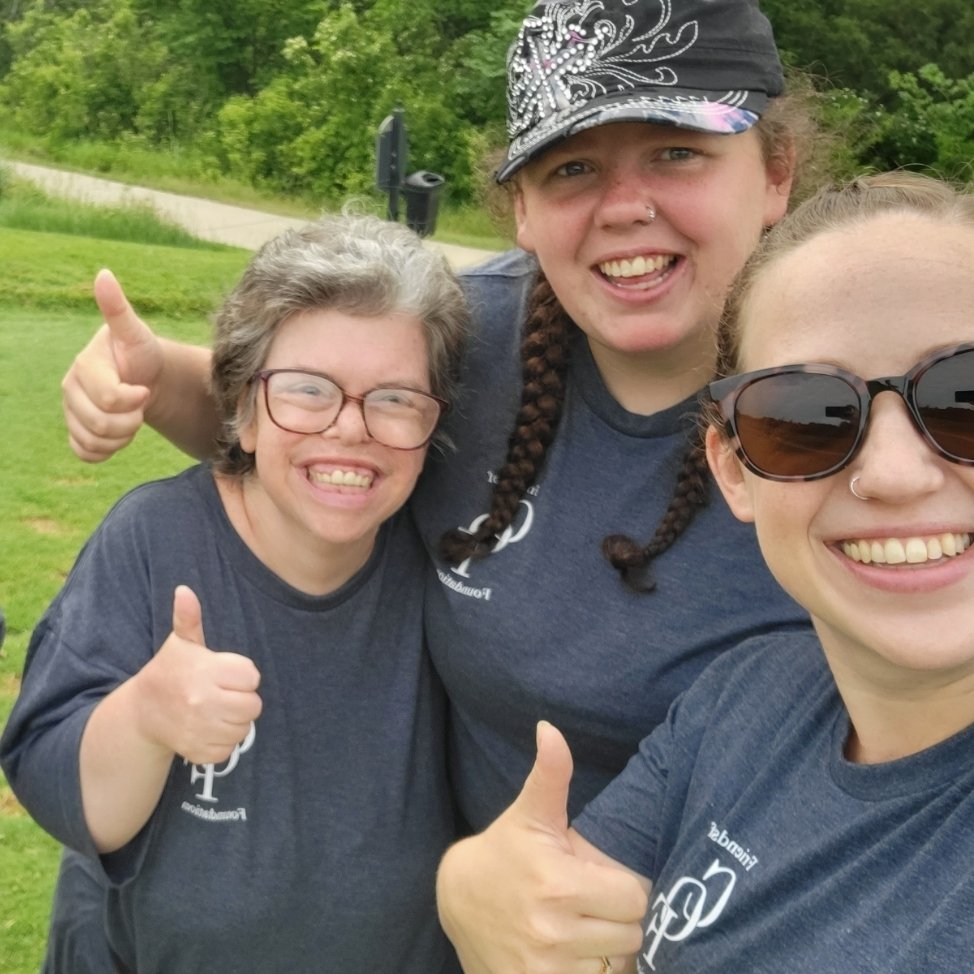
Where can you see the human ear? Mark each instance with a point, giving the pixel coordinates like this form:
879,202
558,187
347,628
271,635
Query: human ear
247,436
780,170
523,235
729,474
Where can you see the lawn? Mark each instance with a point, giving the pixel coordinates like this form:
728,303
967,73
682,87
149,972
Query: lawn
51,501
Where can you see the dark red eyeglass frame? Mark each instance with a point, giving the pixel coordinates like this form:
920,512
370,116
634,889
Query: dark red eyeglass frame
725,393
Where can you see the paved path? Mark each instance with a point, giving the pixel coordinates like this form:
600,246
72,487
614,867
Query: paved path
219,222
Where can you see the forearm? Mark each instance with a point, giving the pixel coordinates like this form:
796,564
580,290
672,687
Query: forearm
122,771
180,406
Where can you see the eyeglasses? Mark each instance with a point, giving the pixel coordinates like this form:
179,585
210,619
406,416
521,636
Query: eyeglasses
300,401
805,422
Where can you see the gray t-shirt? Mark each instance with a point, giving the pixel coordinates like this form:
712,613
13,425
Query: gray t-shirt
315,846
770,852
544,627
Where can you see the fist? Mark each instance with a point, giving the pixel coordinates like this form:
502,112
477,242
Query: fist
198,703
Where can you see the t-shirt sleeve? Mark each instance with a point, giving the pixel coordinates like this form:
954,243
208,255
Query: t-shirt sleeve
624,819
636,817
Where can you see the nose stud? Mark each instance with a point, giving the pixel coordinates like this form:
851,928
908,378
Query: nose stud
855,493
650,212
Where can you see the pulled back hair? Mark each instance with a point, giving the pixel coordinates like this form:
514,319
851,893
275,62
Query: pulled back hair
833,208
356,264
787,134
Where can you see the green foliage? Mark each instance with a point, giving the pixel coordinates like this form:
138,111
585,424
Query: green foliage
79,74
856,43
312,129
933,124
287,95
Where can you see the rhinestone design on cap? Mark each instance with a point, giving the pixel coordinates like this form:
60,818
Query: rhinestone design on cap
569,55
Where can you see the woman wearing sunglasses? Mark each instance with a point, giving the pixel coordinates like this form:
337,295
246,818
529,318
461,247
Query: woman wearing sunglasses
228,711
808,805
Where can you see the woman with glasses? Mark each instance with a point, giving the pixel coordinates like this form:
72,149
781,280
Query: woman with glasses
228,710
651,145
808,805
585,569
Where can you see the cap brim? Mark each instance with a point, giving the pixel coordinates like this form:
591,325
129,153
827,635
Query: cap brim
722,113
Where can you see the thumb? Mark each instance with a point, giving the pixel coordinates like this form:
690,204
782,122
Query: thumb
543,801
126,327
187,615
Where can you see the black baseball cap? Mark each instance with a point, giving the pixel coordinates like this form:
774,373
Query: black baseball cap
708,65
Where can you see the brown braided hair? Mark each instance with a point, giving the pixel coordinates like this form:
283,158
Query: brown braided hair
544,354
690,494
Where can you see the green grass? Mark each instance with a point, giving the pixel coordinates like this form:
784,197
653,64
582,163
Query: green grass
179,170
50,500
24,207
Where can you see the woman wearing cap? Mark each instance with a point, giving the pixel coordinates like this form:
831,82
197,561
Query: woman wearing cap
651,146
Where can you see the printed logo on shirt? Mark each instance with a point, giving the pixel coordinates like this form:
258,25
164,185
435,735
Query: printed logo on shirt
741,854
208,774
516,531
690,904
693,904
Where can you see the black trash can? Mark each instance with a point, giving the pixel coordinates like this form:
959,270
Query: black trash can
422,193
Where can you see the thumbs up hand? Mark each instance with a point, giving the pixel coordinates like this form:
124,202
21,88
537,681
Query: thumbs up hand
531,895
105,392
196,702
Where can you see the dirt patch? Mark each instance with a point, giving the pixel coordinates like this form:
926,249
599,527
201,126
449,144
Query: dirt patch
46,526
75,482
9,806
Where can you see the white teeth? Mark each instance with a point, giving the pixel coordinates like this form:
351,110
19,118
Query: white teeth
911,551
341,478
895,552
636,267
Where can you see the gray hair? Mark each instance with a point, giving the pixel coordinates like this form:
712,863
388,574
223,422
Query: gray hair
356,264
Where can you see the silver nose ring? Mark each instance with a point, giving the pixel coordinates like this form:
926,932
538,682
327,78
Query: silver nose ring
855,493
650,213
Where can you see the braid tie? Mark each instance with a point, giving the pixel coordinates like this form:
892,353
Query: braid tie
689,495
544,356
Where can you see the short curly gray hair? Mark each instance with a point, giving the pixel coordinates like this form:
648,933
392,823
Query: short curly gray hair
356,264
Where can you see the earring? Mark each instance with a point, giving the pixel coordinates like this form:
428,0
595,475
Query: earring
855,493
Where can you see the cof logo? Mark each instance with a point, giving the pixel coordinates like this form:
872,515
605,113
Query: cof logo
510,535
690,905
208,772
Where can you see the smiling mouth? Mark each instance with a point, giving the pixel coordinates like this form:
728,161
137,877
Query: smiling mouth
906,551
340,478
639,272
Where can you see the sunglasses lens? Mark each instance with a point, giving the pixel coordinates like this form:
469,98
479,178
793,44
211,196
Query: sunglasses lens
798,424
945,401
